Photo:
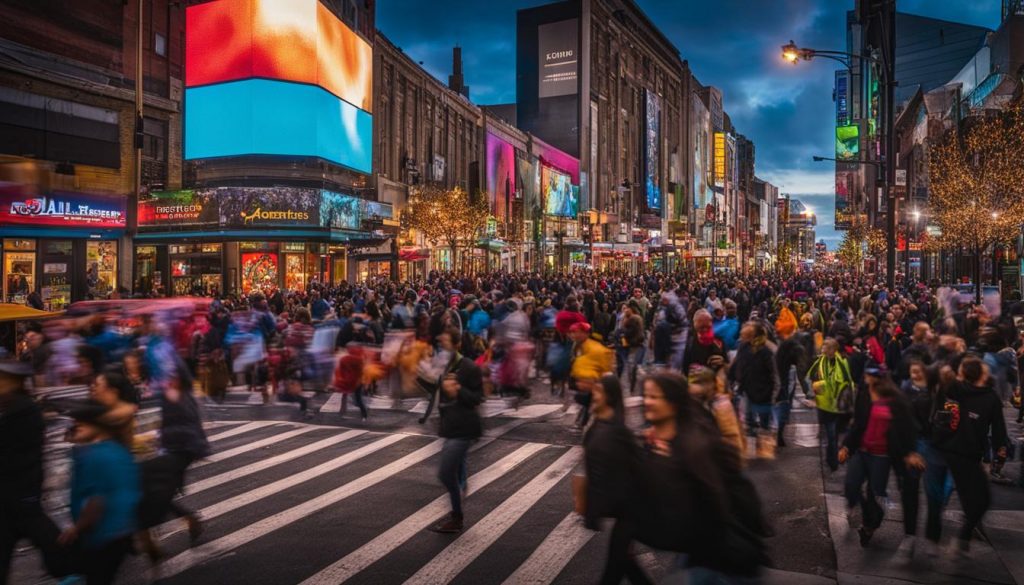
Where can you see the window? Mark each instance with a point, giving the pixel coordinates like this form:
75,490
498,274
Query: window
154,139
160,45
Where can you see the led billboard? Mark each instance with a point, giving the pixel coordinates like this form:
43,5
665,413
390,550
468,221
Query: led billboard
652,158
558,51
559,197
847,142
501,176
288,40
260,116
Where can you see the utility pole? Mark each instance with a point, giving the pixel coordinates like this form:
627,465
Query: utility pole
887,22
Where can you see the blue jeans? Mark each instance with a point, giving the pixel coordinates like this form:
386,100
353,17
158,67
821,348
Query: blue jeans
874,470
452,471
829,421
758,416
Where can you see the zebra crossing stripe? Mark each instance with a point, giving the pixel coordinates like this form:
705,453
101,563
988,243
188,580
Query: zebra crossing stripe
216,480
231,504
229,542
458,555
551,557
252,426
253,446
333,403
398,534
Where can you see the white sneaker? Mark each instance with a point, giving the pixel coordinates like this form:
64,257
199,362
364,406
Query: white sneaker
907,546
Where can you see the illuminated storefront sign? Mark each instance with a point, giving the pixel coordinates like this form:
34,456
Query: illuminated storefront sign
59,209
719,159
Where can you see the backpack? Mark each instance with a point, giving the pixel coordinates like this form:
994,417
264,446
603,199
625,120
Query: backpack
945,419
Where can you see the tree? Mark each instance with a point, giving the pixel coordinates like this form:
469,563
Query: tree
977,184
858,239
445,216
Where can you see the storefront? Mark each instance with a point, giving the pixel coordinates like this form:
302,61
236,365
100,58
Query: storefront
246,240
62,245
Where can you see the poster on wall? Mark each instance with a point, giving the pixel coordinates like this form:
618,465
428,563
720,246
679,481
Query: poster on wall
528,181
259,271
268,206
559,197
179,208
501,176
700,151
63,209
558,55
652,155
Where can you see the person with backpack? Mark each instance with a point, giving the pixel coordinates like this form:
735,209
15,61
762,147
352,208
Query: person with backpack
833,388
969,412
756,377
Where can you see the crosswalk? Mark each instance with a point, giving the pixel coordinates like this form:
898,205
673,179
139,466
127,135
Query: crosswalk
288,502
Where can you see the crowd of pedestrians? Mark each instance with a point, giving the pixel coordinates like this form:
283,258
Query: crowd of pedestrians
910,382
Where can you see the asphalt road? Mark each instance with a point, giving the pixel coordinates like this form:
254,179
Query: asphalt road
333,499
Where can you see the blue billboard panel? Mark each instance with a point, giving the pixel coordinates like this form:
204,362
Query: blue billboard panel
261,116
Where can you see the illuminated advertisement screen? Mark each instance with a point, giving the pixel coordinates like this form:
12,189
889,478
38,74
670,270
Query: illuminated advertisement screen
847,142
288,40
339,211
558,51
501,176
528,180
843,218
652,159
260,116
842,97
719,159
559,197
62,209
179,208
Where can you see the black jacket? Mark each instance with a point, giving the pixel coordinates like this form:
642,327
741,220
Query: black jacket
459,418
610,458
756,374
980,410
21,452
902,435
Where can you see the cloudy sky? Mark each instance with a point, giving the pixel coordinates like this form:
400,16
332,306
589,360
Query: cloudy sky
732,44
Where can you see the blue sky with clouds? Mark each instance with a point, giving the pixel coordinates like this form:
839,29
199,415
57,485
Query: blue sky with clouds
732,44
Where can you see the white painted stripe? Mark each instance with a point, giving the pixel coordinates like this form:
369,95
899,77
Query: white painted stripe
533,411
333,403
458,555
398,534
420,407
804,434
255,398
252,426
271,440
551,557
234,474
229,542
231,504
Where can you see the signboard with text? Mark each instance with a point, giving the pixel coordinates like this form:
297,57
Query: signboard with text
558,51
63,209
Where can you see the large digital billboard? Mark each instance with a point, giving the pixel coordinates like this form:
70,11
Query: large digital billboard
847,142
260,116
558,52
501,176
652,158
288,40
559,196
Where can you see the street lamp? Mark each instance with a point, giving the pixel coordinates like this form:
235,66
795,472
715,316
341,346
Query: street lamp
793,54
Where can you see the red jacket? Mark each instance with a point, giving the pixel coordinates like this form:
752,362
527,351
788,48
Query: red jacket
566,319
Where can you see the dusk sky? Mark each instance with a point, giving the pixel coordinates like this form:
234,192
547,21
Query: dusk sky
732,44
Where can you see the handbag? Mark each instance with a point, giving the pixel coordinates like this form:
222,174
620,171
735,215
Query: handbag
579,494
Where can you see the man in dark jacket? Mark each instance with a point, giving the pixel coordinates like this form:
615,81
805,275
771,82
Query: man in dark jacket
461,393
979,416
757,377
21,471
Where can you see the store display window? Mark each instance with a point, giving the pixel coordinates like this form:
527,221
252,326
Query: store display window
101,268
259,271
56,277
19,270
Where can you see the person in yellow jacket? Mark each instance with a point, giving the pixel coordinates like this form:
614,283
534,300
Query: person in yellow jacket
833,386
590,361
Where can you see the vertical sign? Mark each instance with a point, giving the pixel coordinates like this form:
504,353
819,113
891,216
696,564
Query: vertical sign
719,159
842,97
652,155
558,52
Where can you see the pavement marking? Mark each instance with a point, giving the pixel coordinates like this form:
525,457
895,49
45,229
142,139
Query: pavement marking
205,484
255,398
532,411
805,434
420,407
470,544
271,440
333,403
259,424
551,557
245,498
229,542
398,534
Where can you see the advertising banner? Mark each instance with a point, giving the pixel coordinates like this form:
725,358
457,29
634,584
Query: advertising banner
268,206
63,209
652,154
847,142
179,208
501,176
558,51
720,159
844,183
842,97
559,197
339,211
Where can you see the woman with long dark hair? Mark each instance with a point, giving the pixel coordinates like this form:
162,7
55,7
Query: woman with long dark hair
610,460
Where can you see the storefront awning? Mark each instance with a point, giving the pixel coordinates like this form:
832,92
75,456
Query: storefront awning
492,245
15,312
413,255
274,234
